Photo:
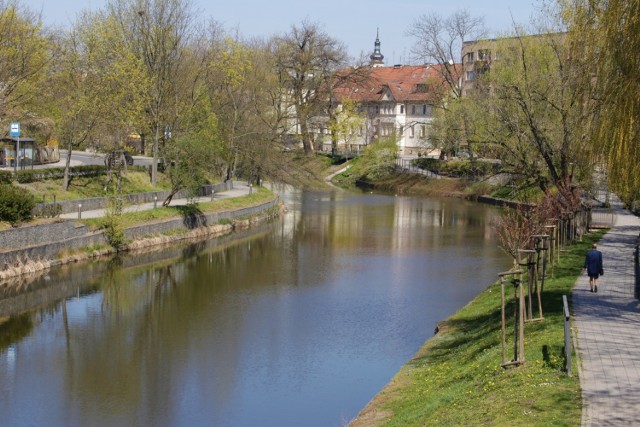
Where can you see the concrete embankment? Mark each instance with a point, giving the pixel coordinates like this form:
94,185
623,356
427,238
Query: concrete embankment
67,241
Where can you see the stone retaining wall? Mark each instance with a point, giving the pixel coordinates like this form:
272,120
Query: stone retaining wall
48,248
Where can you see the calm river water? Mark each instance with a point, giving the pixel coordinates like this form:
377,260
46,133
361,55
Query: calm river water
299,322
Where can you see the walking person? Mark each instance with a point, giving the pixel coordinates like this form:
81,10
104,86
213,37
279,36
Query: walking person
593,265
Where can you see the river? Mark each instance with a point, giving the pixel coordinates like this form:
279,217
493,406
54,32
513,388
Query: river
297,322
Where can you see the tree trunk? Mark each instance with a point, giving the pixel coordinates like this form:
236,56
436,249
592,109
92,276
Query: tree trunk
67,179
167,201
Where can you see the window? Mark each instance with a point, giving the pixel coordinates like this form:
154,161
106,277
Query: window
422,88
402,109
484,55
412,130
469,57
423,131
471,75
424,109
413,110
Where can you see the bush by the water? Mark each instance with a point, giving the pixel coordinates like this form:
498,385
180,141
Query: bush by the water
16,204
378,160
458,168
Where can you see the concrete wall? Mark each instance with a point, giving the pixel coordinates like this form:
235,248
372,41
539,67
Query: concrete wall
50,241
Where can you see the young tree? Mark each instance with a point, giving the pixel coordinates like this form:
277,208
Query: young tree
306,59
345,123
188,164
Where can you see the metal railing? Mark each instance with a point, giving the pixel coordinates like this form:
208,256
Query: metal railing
567,334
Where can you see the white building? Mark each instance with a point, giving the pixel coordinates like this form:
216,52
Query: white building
393,101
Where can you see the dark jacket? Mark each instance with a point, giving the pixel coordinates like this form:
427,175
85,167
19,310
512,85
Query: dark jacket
593,262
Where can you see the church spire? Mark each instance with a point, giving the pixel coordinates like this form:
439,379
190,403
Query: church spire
377,58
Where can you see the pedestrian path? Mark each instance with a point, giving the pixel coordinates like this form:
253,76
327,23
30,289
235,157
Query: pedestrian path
239,189
608,331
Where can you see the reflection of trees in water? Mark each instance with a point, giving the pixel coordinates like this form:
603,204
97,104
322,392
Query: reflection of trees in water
13,329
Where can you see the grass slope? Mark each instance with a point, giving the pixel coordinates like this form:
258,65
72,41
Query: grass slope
457,378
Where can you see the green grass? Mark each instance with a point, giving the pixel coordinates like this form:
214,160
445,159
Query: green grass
457,378
129,219
135,181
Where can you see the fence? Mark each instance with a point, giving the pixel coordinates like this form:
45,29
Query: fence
70,206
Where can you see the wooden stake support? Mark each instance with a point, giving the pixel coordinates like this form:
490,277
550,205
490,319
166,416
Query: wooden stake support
519,314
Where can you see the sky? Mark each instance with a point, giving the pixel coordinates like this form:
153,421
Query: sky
353,22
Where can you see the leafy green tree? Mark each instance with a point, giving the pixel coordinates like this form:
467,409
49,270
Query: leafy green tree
604,41
100,86
345,123
159,32
379,159
529,111
16,204
188,164
25,54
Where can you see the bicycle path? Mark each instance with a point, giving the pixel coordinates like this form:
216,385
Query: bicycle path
608,330
239,189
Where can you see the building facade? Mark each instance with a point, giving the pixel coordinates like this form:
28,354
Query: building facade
393,102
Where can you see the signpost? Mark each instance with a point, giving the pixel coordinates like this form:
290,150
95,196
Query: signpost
14,131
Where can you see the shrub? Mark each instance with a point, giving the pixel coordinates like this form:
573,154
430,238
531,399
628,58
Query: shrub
6,177
34,175
16,204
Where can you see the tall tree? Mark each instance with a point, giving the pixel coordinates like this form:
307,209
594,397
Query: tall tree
25,53
604,37
159,31
530,110
99,85
306,59
438,40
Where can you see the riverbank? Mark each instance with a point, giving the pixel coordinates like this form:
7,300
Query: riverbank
456,378
77,240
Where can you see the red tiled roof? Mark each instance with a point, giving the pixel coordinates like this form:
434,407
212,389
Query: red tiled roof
401,81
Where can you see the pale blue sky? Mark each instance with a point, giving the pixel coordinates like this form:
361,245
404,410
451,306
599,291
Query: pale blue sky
353,22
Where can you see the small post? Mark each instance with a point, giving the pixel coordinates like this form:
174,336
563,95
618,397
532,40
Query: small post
155,201
213,191
250,188
567,334
79,210
518,314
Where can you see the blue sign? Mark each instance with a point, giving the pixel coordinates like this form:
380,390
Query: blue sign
14,130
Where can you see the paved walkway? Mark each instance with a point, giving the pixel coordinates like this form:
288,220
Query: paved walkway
608,329
239,189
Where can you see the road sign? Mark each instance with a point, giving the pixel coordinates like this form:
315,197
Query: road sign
14,130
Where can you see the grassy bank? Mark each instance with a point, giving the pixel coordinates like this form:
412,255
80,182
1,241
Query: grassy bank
456,378
129,219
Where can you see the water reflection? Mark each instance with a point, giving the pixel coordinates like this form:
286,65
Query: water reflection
298,322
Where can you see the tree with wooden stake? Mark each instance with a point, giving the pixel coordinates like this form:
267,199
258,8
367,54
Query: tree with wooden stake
552,246
541,245
518,316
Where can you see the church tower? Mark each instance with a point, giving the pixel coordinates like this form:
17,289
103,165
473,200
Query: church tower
377,58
